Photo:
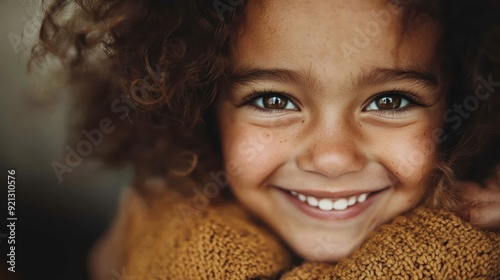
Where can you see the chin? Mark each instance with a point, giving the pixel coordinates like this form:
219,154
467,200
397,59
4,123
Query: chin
323,248
326,255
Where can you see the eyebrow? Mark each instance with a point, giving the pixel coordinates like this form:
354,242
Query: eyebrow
377,76
246,75
415,75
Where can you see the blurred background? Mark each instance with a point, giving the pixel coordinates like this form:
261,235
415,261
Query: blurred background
57,220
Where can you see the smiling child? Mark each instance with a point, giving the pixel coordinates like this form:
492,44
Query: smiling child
340,127
327,122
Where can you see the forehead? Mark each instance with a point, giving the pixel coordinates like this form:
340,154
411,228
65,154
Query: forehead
319,34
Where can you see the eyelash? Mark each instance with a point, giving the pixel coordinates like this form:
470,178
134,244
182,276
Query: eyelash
252,97
413,100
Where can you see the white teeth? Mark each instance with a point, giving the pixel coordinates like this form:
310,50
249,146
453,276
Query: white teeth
325,204
352,200
340,204
312,201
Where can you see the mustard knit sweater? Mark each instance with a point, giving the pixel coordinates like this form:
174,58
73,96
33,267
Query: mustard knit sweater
161,238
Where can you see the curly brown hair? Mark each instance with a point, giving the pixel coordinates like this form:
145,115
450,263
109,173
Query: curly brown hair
165,61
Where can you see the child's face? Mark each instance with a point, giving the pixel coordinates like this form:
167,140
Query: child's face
347,119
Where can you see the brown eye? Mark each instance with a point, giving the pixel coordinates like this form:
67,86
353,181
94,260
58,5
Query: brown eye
388,102
274,102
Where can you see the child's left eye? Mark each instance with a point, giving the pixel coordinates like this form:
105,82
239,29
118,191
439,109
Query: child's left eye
392,101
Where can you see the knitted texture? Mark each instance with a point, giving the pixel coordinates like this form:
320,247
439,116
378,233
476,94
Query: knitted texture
424,244
219,242
159,241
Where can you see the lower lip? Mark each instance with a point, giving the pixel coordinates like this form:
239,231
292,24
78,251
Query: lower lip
333,215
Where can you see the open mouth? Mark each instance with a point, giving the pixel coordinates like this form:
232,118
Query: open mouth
332,206
328,204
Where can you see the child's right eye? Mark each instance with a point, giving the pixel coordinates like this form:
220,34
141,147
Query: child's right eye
270,101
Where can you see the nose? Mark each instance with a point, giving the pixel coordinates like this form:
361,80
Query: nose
331,150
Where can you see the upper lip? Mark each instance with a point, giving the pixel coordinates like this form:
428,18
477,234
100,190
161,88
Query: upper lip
327,194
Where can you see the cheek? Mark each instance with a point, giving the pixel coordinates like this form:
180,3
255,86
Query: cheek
410,154
251,153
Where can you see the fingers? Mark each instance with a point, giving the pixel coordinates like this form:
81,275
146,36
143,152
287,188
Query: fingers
493,182
486,210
